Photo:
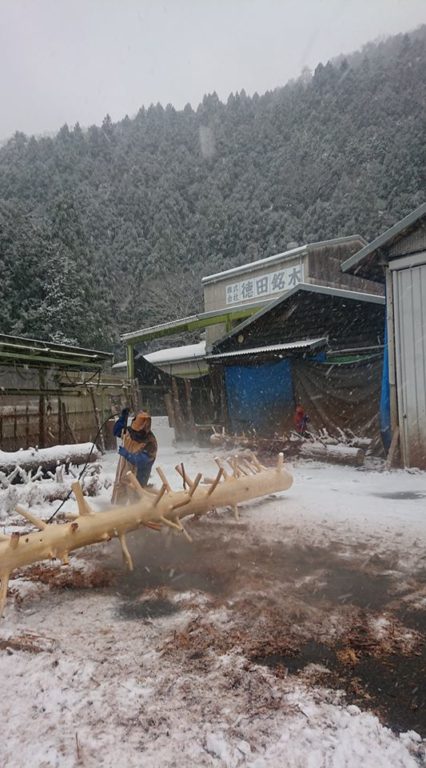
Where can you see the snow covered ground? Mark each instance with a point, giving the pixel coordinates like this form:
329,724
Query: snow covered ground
197,658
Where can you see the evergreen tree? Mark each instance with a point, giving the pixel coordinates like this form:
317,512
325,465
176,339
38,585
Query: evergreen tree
108,229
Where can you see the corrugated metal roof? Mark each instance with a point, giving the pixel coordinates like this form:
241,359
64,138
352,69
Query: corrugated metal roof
324,290
260,263
20,350
359,259
36,345
271,348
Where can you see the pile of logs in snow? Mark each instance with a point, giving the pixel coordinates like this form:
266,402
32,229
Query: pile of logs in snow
347,449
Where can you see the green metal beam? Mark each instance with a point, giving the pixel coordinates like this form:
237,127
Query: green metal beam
194,324
28,392
130,356
32,349
56,362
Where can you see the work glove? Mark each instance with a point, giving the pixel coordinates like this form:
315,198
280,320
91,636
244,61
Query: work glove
123,451
125,412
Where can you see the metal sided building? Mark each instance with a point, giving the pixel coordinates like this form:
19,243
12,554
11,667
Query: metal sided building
238,293
261,282
397,259
317,345
231,299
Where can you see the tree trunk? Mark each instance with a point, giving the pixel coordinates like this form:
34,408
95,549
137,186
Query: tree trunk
48,458
243,480
339,454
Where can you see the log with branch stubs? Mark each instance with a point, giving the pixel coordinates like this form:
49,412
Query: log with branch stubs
241,480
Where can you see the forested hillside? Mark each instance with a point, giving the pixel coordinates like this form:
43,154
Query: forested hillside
111,228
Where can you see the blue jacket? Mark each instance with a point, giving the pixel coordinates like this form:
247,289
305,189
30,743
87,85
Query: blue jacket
141,461
121,423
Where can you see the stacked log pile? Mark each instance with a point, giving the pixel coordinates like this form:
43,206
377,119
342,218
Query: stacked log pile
347,449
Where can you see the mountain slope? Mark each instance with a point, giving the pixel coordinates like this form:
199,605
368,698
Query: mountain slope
117,224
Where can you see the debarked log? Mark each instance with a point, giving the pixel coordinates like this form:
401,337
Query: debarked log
338,454
241,480
48,458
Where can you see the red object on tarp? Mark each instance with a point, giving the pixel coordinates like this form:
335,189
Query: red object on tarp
300,419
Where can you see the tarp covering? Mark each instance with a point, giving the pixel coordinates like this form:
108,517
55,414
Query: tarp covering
259,397
344,395
385,417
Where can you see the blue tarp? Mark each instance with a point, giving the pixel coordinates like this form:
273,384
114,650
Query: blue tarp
258,396
385,420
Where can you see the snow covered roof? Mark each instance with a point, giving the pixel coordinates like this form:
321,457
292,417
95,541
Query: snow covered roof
185,354
290,254
182,354
271,348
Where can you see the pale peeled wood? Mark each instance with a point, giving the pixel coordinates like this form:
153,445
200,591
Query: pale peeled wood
164,507
338,454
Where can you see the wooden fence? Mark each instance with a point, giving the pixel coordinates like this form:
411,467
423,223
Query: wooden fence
72,415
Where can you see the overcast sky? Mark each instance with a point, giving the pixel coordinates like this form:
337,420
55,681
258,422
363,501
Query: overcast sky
76,60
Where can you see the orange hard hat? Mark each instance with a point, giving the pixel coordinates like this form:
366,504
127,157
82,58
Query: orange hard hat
142,421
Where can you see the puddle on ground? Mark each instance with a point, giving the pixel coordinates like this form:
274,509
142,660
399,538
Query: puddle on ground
217,565
395,687
392,685
172,561
311,653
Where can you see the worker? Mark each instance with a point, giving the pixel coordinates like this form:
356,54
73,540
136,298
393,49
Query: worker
137,453
300,420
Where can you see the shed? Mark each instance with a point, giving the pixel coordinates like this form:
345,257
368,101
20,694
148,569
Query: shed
351,321
320,344
397,258
183,325
181,372
54,393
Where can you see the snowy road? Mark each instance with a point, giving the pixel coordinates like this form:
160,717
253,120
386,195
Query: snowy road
235,650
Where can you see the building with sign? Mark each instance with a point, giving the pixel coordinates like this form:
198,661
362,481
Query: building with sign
260,282
238,293
326,305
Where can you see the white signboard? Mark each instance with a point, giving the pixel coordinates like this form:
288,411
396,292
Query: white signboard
262,285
